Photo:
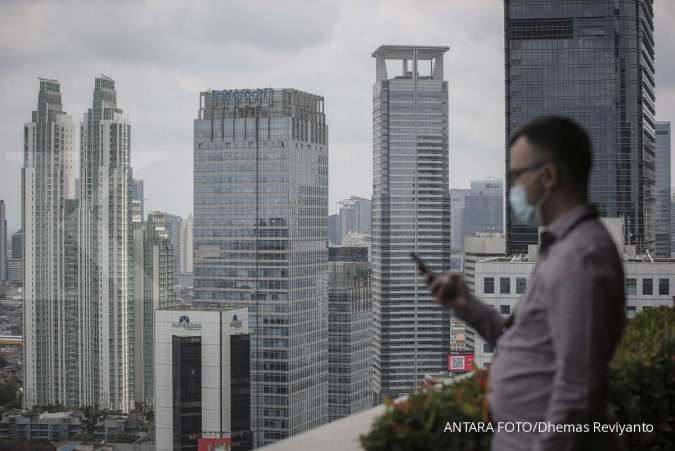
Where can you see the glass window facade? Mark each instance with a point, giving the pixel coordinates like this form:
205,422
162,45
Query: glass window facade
411,213
592,61
260,232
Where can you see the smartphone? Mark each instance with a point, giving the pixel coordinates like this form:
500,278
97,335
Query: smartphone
421,266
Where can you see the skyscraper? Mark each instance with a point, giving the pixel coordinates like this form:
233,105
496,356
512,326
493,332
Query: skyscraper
484,208
153,282
457,198
354,216
105,241
260,209
15,264
137,201
186,232
349,331
411,213
50,305
592,61
662,183
334,235
172,224
3,242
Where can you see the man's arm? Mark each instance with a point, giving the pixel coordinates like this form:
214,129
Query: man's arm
450,291
585,314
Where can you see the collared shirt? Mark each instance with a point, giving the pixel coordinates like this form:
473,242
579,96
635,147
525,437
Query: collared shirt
551,365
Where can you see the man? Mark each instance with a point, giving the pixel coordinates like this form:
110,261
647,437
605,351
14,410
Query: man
552,355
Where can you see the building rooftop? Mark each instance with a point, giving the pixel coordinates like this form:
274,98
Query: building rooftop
424,52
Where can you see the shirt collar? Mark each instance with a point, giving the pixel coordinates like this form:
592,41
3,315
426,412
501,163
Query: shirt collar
563,225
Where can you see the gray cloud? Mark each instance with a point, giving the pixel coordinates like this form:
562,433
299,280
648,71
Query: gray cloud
161,55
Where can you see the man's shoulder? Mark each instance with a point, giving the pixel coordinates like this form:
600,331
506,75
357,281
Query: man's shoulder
591,238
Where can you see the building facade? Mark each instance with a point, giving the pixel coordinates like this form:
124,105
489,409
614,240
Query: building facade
186,246
411,213
105,246
484,208
349,331
355,216
202,378
663,194
3,242
137,201
260,209
592,61
334,236
50,354
153,284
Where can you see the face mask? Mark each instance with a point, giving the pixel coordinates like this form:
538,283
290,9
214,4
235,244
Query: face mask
522,210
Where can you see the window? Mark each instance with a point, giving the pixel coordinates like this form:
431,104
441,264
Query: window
631,287
504,285
489,285
647,286
521,285
505,309
630,311
664,287
487,347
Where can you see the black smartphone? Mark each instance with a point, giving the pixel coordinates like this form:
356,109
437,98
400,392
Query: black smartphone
421,266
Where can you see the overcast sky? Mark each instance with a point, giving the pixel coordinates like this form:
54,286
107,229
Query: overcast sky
162,54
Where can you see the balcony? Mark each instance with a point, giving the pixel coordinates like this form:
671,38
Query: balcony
339,435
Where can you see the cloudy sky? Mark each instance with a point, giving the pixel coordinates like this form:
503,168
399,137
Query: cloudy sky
162,54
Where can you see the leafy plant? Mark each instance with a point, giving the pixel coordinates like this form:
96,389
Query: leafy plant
642,390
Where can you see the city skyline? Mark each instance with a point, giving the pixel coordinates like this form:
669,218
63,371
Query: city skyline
158,85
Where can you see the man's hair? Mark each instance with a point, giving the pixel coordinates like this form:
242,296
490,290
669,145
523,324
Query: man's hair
565,143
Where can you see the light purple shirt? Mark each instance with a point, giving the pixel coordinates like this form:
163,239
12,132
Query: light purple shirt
552,364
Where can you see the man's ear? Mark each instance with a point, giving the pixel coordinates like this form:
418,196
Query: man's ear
551,177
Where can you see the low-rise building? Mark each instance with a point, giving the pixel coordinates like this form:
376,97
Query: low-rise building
48,426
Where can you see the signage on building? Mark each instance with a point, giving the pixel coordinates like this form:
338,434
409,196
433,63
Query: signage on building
213,444
184,323
235,323
460,362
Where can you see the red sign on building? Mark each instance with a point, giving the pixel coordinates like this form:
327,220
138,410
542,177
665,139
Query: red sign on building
213,444
460,362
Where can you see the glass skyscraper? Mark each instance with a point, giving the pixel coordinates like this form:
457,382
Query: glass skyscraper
593,61
411,213
260,209
663,162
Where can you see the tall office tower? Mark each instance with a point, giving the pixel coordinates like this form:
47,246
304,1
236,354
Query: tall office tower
137,201
15,264
662,184
672,222
411,213
334,235
186,252
50,353
354,215
172,224
457,198
3,242
261,202
349,331
484,208
153,282
106,294
592,61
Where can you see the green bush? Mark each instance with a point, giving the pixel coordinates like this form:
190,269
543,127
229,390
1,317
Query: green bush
642,383
642,390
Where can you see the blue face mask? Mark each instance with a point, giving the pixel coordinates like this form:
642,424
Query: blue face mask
522,210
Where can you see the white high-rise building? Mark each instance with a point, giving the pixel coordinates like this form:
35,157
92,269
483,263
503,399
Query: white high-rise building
411,213
186,245
48,216
105,252
3,242
354,216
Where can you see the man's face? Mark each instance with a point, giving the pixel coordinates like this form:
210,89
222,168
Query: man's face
523,168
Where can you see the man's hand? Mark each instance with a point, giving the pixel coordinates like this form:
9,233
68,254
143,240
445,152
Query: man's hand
448,289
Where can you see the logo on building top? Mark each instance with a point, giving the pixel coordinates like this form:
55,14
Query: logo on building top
235,323
184,323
